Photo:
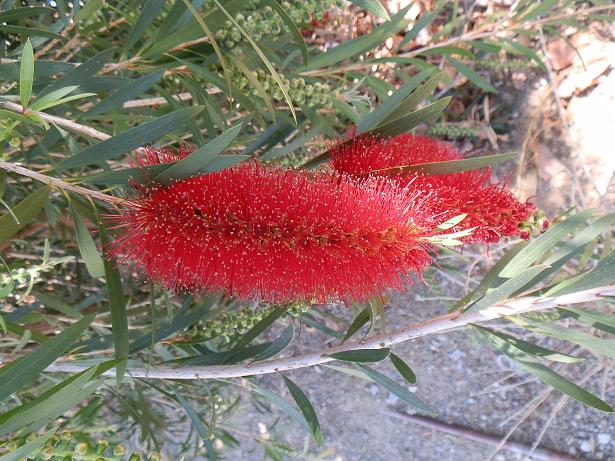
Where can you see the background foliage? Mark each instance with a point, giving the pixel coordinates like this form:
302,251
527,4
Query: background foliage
81,85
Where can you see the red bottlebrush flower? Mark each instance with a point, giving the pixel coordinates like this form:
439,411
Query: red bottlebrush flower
257,232
149,155
490,207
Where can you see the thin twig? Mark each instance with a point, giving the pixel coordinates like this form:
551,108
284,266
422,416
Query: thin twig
13,168
469,434
436,325
83,129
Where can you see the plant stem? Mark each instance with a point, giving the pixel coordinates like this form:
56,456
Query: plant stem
436,325
59,183
83,129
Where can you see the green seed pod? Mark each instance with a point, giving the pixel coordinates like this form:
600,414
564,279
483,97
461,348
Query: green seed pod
81,448
46,453
101,446
119,450
154,456
135,457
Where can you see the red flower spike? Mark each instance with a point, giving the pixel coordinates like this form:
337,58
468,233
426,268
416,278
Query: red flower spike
491,208
149,155
257,232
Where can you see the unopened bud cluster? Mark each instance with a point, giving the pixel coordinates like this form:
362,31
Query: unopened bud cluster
231,324
301,92
74,446
503,65
452,131
259,21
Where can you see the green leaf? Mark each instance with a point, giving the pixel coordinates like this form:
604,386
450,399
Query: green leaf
491,279
263,58
352,48
403,368
292,27
14,116
57,102
605,347
398,97
601,275
516,48
256,331
282,404
31,32
546,375
129,91
278,345
419,25
396,389
117,306
196,161
471,75
543,244
374,7
531,349
80,75
591,318
198,425
27,368
25,211
131,139
54,402
362,355
505,289
42,102
24,12
26,74
306,408
411,120
29,447
420,94
87,247
90,8
149,11
361,319
451,166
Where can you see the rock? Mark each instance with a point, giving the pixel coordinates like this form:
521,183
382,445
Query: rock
587,446
603,438
455,355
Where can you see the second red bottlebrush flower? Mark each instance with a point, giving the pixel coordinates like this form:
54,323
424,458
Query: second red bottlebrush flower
255,232
491,208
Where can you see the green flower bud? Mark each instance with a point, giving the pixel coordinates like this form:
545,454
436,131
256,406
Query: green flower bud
81,448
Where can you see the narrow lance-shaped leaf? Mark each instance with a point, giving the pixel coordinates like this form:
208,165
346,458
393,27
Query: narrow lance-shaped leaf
87,247
395,388
531,349
403,368
26,73
24,211
306,408
117,306
26,369
278,345
450,166
539,247
199,158
130,139
362,355
374,7
546,375
292,27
